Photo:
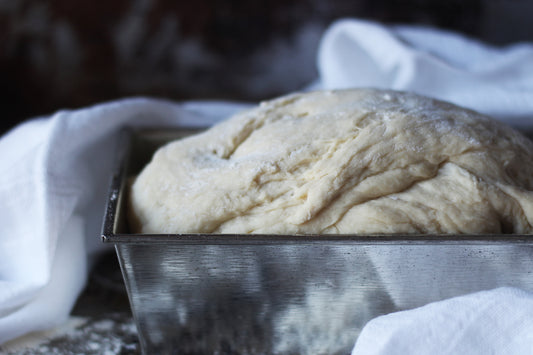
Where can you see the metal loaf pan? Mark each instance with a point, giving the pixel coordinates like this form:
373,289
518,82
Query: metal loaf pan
288,294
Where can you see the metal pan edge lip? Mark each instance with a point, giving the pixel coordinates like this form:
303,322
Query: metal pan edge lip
337,239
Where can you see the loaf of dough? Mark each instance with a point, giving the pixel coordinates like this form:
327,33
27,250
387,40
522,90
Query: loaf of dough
348,162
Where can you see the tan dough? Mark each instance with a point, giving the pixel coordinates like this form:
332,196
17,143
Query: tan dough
349,161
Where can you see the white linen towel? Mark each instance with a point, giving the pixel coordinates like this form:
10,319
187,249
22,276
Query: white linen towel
54,175
498,321
439,64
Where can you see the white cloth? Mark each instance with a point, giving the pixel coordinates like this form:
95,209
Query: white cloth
443,65
498,321
54,171
54,175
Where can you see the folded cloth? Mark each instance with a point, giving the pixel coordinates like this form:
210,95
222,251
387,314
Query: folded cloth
54,174
435,63
499,321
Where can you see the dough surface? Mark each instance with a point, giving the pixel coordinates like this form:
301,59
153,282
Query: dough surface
348,162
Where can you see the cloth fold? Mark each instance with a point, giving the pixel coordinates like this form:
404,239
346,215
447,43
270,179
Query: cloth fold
52,170
430,62
498,321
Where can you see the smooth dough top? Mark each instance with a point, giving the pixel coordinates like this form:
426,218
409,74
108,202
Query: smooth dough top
347,162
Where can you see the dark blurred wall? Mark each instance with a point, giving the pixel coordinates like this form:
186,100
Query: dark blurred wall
66,54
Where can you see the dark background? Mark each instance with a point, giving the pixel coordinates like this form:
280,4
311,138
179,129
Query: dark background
67,54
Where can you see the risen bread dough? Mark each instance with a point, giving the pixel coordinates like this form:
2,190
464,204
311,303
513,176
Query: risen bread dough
349,161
